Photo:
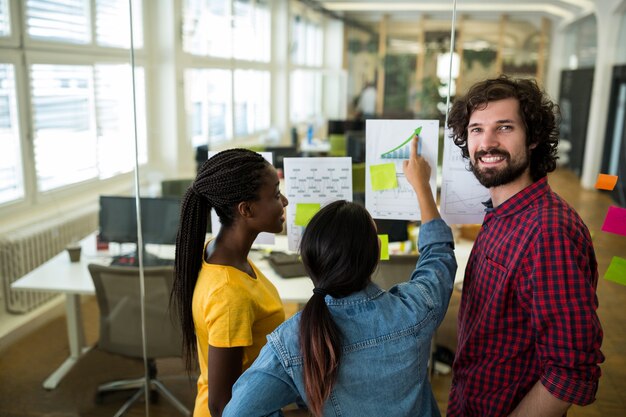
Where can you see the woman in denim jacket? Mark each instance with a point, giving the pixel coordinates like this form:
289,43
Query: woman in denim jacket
356,350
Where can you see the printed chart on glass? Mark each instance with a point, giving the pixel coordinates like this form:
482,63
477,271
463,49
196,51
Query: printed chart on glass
461,193
263,238
310,184
388,195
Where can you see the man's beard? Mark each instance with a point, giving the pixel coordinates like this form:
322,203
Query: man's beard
494,177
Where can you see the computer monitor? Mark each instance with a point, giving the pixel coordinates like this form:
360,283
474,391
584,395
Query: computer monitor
159,219
279,153
396,230
355,145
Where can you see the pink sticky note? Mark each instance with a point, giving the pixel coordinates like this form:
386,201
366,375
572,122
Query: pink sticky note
615,221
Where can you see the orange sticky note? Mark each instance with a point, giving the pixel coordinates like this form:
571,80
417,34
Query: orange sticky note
606,182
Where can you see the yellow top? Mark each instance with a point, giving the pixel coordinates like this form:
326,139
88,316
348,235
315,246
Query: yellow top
231,309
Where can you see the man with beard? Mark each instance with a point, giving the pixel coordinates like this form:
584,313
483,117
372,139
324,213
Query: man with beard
528,334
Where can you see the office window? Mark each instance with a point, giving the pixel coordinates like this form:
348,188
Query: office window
59,20
113,23
115,119
305,95
252,32
307,57
252,101
5,19
82,122
11,180
227,29
63,124
208,94
307,42
79,110
70,21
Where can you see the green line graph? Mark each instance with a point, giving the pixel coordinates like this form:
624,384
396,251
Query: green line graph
402,151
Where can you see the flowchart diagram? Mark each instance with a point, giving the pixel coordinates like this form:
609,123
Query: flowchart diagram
311,183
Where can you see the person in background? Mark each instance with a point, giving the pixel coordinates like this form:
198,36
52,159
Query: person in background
366,105
528,334
356,350
225,305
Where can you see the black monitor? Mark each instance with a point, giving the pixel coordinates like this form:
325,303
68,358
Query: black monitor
159,219
355,145
397,230
279,153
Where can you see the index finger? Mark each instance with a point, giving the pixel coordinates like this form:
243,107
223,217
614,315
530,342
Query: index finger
414,146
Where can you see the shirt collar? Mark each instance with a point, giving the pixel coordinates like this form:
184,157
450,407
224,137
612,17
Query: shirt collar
521,200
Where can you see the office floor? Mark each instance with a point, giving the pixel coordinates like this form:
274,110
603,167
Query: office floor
25,363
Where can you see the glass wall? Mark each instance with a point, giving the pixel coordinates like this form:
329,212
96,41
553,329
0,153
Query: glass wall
82,114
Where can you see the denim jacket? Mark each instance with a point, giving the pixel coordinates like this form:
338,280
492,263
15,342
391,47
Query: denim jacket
386,340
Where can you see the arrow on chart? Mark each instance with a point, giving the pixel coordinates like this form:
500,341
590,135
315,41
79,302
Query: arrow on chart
390,154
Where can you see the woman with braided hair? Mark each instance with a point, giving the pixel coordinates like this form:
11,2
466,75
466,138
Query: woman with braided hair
225,305
356,350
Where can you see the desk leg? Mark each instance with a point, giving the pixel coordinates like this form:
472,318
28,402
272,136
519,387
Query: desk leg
76,338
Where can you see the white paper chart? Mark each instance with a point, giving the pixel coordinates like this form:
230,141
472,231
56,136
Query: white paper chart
263,238
461,193
388,141
314,180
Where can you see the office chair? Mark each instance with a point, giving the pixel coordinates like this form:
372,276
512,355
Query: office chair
337,144
118,296
175,187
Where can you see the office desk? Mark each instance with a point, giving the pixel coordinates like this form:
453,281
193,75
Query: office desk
316,147
73,279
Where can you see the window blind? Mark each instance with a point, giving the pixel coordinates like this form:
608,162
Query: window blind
59,20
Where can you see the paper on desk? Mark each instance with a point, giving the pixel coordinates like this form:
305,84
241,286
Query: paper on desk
461,193
314,181
263,238
388,142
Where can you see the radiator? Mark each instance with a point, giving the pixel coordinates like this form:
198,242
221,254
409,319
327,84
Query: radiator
25,249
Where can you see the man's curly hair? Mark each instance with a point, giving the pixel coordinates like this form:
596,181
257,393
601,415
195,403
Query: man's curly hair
540,115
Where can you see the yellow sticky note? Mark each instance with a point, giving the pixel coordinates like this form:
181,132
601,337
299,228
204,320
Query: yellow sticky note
606,182
383,176
384,247
305,211
616,271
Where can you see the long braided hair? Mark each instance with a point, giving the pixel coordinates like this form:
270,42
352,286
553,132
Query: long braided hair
223,181
339,250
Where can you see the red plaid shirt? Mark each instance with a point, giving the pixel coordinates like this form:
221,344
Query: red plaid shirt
528,310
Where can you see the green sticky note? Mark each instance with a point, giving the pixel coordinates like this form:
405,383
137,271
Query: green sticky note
383,176
306,211
616,271
384,247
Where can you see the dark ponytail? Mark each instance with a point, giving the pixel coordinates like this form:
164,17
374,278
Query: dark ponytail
223,181
339,249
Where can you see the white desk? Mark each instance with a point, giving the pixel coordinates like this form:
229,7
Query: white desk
73,279
315,148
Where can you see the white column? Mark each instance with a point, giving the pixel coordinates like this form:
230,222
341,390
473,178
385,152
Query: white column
555,62
608,15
